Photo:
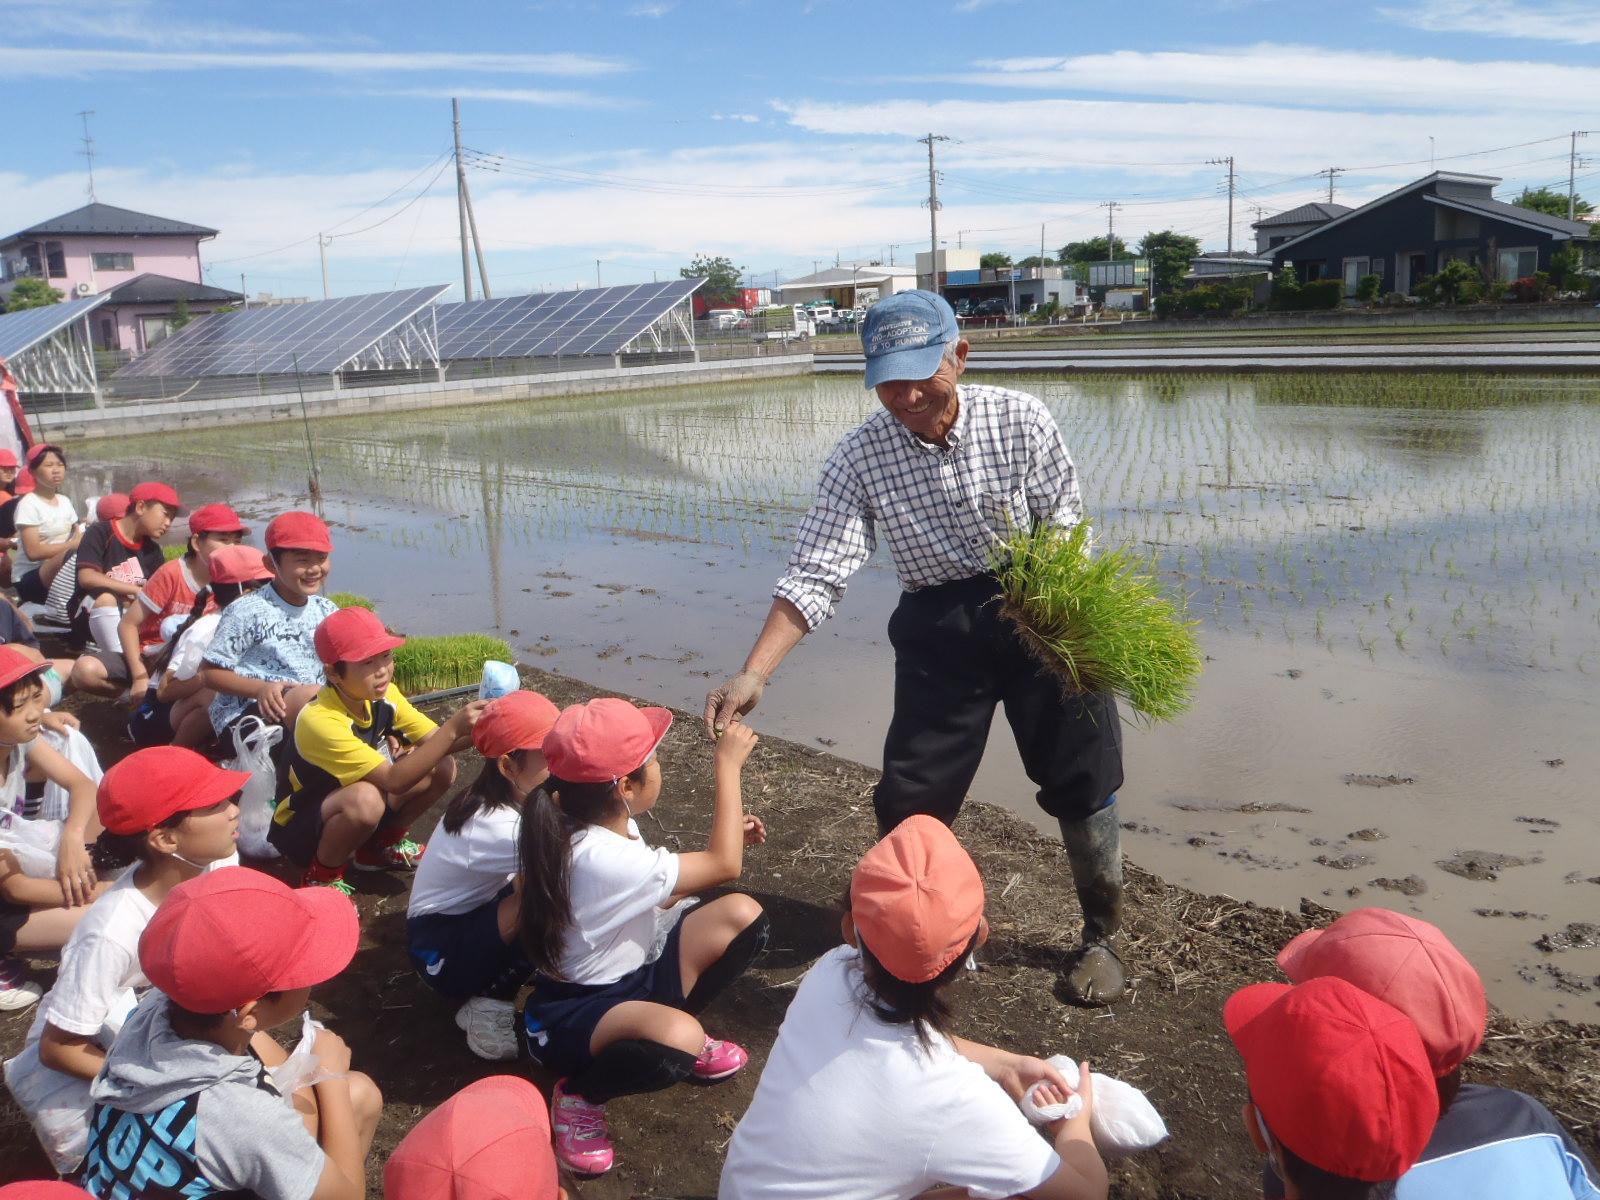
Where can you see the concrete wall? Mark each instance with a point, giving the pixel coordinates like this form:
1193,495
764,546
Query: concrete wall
126,420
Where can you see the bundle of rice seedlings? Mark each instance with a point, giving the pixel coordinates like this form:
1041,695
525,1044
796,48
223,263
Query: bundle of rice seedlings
431,664
351,600
171,552
1100,622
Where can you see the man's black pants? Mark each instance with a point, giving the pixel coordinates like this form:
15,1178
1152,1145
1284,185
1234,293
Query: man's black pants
955,658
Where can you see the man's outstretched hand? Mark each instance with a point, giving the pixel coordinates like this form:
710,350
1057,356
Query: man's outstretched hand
733,700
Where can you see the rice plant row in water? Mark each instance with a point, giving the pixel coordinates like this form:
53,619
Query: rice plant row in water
431,664
1100,622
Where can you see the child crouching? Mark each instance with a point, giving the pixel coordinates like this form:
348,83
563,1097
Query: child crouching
613,1010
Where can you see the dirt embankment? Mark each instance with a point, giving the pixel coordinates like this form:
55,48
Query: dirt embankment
1187,952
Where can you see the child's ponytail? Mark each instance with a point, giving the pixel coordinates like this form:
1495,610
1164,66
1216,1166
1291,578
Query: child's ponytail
159,663
492,790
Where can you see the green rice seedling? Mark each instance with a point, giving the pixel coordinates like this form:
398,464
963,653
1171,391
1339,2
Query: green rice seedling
1100,623
351,600
171,552
430,664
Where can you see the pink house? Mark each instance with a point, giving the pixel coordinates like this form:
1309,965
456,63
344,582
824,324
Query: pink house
150,266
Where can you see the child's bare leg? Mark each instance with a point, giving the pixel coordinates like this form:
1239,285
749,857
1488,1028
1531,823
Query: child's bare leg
349,817
412,803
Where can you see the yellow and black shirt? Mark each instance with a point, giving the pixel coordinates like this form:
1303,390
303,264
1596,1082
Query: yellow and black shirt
333,747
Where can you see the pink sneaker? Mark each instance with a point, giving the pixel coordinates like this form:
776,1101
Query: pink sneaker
718,1061
583,1140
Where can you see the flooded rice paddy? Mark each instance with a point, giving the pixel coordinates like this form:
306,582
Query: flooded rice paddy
1396,578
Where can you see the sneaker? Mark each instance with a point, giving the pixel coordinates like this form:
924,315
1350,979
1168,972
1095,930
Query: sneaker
490,1027
17,991
397,856
718,1061
337,882
582,1137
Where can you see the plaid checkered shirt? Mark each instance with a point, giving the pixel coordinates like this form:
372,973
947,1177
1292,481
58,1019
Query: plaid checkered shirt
941,510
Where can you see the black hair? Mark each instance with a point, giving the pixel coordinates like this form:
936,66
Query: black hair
180,1015
227,593
1313,1183
120,849
555,811
923,1006
1449,1087
20,691
42,451
491,791
160,661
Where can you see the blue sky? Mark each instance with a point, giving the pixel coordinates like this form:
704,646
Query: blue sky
780,133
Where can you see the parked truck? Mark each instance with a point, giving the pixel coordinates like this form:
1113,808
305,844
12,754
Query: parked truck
782,323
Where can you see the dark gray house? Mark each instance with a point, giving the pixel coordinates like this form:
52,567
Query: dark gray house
1280,227
1414,230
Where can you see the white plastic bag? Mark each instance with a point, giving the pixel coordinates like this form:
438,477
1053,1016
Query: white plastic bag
499,679
75,748
253,740
302,1069
34,843
1123,1122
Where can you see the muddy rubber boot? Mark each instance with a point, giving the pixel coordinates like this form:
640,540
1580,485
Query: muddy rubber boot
1094,973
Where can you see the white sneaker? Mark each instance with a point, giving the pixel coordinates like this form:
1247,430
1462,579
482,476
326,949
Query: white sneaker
17,991
490,1028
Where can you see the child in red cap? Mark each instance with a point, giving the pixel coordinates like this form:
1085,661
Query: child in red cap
115,560
232,955
1342,1099
44,892
866,1095
263,660
1490,1143
490,1141
462,920
47,524
177,814
613,1010
177,706
347,802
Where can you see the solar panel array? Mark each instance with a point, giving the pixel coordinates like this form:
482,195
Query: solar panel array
590,321
321,336
21,330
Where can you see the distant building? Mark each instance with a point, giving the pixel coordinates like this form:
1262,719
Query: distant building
849,284
1275,230
746,299
948,266
147,264
1413,231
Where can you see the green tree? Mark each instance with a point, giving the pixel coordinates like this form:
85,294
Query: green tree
995,260
181,315
1094,250
1369,288
721,276
1033,260
1456,283
1552,202
32,293
1169,254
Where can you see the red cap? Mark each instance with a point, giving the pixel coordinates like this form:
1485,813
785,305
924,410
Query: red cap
42,1189
298,531
916,899
1340,1077
352,634
518,721
8,458
230,936
1404,962
111,507
490,1141
603,740
151,785
216,518
15,665
238,564
160,493
38,450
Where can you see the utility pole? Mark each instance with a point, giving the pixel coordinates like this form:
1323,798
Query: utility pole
1572,173
88,150
477,242
1229,163
322,249
933,209
461,201
1332,173
242,291
893,246
1111,207
1041,250
597,282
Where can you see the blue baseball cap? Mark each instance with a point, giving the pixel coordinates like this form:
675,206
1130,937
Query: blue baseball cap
904,336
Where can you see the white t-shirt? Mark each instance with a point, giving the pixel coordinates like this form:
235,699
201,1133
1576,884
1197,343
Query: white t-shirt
852,1108
617,884
461,871
55,522
192,647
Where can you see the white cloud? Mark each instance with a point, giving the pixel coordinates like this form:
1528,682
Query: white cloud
1306,76
138,21
541,97
1574,21
35,61
657,9
745,118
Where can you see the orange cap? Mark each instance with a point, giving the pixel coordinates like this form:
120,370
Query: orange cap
917,899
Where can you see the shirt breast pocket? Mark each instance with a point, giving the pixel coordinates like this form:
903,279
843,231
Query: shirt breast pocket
1004,512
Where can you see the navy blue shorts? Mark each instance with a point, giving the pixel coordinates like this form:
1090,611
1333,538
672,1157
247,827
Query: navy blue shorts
558,1018
151,722
462,954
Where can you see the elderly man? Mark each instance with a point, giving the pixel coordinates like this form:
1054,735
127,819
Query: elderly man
944,473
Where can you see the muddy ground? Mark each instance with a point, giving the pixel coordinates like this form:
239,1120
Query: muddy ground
1187,953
